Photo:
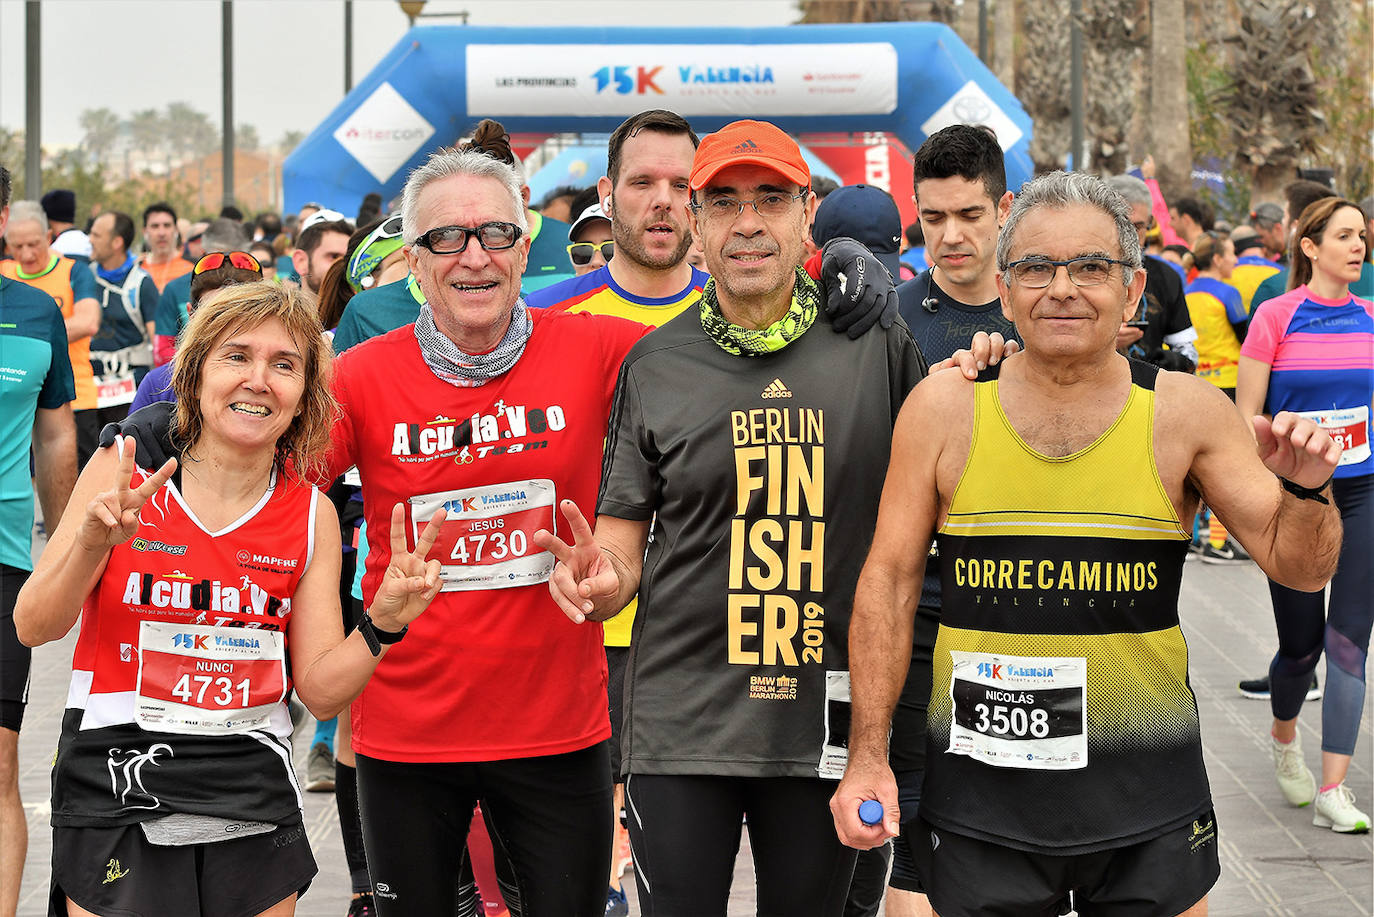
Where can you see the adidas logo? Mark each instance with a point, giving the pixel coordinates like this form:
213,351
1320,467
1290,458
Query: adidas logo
745,147
776,389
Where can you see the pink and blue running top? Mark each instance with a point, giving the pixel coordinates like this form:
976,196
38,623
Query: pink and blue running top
1321,358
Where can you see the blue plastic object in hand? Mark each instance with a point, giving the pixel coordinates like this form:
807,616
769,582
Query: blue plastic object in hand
870,812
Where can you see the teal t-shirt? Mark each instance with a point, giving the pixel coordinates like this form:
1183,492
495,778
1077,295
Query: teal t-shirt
35,373
171,314
548,262
377,311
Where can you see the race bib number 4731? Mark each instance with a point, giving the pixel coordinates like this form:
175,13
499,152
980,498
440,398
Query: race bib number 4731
487,539
208,680
1019,711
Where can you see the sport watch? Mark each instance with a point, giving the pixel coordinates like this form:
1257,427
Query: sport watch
375,638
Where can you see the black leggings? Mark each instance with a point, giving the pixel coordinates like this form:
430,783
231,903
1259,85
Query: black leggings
685,831
1308,624
551,816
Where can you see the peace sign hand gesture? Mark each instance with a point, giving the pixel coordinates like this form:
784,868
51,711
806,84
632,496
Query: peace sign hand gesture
410,582
112,516
584,577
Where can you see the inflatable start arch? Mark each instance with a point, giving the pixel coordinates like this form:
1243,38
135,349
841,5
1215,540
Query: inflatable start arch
904,79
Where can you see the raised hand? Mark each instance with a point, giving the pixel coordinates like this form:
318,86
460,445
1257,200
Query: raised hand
410,582
112,516
583,574
1295,448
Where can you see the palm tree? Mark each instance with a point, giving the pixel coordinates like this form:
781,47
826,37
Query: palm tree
149,131
101,130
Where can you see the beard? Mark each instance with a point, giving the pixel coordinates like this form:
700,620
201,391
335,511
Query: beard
629,243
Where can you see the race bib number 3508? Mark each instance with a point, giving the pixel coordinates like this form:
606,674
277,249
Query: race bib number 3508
1019,711
487,539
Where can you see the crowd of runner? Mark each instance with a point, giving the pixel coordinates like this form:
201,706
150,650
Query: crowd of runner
721,500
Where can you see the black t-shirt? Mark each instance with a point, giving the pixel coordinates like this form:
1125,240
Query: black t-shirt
762,475
941,325
1164,306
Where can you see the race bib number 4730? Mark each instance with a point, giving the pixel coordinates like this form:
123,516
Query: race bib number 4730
487,539
1019,711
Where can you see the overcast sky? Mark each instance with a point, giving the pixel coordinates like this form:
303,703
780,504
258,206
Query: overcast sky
127,55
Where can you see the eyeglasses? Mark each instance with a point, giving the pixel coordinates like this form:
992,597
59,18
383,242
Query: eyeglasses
451,240
1037,273
773,204
581,252
215,261
1143,225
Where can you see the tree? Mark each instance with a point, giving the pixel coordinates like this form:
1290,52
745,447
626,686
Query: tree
246,138
289,141
1169,138
149,131
101,129
1272,102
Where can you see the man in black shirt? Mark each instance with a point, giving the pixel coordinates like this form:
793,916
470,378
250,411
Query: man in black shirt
750,441
1162,317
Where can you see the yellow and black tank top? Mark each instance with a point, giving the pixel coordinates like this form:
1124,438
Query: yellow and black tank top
1061,719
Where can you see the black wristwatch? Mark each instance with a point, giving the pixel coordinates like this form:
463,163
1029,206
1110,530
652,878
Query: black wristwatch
1306,493
375,638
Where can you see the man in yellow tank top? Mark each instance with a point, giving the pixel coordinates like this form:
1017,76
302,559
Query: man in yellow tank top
1064,759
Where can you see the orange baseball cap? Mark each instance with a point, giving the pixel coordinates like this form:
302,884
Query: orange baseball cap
756,142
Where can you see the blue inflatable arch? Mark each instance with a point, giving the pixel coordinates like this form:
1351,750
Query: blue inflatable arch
905,79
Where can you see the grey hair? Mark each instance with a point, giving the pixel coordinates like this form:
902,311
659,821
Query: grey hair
1132,189
28,212
448,162
224,235
1058,190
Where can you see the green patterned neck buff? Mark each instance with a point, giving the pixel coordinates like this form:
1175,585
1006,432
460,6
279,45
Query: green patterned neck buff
748,342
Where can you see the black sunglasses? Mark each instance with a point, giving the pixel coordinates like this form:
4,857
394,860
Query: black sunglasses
451,240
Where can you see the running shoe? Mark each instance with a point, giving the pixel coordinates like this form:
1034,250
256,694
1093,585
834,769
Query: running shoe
1195,549
1295,780
1335,809
1258,688
617,905
319,769
362,906
1228,553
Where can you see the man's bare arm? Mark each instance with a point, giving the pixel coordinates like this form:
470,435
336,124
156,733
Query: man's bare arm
85,320
1295,542
889,588
54,461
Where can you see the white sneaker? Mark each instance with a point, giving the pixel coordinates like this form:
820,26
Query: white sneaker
1335,809
1295,780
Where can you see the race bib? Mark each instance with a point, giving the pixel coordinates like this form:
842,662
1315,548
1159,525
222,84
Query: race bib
115,388
208,680
1349,427
835,750
1019,711
487,539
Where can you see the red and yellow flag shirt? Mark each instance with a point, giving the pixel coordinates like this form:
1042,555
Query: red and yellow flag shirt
180,676
492,669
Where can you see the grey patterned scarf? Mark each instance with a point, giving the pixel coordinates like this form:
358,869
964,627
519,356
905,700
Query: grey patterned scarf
453,366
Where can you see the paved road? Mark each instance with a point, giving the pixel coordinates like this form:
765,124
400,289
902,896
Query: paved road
1274,862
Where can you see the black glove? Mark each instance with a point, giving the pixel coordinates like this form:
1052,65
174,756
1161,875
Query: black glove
151,429
867,295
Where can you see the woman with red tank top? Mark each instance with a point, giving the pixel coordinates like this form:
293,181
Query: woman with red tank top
207,591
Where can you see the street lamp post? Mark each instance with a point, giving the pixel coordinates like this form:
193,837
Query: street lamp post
227,69
33,102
